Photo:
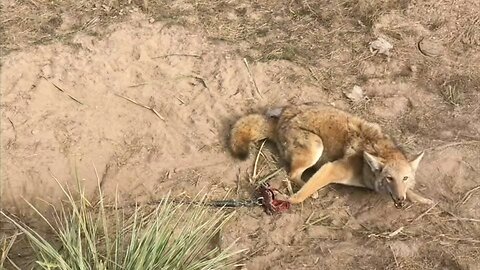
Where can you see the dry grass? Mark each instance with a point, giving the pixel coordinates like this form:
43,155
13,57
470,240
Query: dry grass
169,236
6,245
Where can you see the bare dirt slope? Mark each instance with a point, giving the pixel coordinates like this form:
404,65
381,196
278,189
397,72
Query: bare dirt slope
65,108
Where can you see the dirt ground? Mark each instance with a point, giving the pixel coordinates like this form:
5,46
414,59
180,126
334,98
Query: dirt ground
69,68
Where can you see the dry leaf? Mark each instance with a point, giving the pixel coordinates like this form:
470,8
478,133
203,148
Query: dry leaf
381,46
356,94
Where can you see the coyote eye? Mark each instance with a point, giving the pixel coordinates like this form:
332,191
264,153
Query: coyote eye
405,178
389,178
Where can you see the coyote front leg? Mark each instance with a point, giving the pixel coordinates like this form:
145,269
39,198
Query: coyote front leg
331,172
414,197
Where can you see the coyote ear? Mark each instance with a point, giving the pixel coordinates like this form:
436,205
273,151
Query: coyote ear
373,161
414,163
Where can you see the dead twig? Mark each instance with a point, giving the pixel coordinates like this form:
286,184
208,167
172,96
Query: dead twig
474,241
468,165
394,256
14,129
255,165
251,254
251,77
387,235
464,219
316,221
6,247
13,264
63,91
201,80
181,101
255,173
138,84
469,194
442,147
307,221
289,186
177,54
197,78
141,105
89,23
424,213
268,177
397,231
33,3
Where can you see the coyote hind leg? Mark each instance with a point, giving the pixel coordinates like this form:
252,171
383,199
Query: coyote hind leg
304,149
331,172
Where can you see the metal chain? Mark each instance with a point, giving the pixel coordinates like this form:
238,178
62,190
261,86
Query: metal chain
235,203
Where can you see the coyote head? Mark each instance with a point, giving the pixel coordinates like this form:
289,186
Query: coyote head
392,176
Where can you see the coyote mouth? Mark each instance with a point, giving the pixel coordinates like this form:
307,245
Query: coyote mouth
398,204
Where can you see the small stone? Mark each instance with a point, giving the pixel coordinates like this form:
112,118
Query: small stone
356,94
151,20
430,47
381,46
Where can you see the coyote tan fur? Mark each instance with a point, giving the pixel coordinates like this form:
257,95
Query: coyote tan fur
346,149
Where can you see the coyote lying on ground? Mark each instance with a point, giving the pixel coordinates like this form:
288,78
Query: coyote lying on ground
348,150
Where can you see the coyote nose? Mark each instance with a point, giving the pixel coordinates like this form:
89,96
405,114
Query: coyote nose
400,202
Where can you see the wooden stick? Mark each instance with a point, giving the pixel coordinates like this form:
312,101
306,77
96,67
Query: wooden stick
268,177
63,91
141,105
441,147
424,213
465,219
469,194
178,54
251,77
394,256
254,175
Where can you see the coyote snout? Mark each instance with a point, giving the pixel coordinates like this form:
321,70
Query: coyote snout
399,203
397,190
397,196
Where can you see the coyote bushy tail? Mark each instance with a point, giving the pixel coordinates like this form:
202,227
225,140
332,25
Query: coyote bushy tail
248,129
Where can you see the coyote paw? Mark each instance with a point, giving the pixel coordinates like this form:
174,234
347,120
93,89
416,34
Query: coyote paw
416,198
281,196
425,201
268,201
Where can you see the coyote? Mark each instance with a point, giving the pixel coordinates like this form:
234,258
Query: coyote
346,150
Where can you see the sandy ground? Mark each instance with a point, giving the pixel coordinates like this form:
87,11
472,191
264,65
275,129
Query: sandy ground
64,112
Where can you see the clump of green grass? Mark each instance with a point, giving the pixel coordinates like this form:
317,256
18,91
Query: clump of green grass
171,236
